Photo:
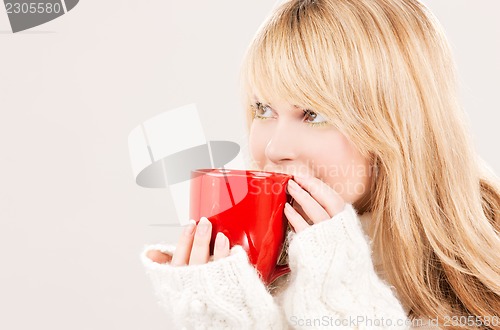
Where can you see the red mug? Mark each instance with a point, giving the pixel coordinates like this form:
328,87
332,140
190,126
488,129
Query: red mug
248,207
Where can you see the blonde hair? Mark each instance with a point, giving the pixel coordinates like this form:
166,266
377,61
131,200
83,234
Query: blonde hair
381,71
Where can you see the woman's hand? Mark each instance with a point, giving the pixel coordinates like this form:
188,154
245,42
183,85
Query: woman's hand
318,201
193,246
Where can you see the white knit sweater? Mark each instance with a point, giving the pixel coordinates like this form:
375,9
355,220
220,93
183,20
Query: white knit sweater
333,284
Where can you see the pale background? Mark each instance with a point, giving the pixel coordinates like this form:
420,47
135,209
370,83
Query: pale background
72,220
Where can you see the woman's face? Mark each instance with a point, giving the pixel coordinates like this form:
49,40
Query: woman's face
288,139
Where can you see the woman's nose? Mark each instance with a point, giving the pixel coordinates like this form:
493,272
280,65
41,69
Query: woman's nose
281,146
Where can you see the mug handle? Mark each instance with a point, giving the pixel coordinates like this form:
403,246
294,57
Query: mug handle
280,270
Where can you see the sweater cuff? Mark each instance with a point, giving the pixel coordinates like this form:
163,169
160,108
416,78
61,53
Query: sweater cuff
339,241
333,273
223,292
236,262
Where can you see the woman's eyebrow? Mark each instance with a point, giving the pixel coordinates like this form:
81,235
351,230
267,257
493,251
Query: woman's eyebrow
268,104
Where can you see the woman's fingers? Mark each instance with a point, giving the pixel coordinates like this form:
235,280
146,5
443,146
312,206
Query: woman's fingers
221,247
183,249
323,194
158,256
296,220
193,247
200,251
314,210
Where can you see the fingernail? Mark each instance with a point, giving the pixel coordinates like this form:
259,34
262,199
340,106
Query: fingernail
221,241
203,226
293,185
189,230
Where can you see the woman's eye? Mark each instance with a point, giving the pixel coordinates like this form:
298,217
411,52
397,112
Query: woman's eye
313,117
263,111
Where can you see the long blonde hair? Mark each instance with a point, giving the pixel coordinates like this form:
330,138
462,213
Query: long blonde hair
382,72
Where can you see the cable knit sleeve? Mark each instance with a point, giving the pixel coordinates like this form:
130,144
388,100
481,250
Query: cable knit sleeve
333,283
223,294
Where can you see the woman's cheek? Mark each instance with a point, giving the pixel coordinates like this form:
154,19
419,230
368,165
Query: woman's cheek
257,144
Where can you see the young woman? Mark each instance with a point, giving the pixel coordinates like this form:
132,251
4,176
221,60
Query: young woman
396,220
